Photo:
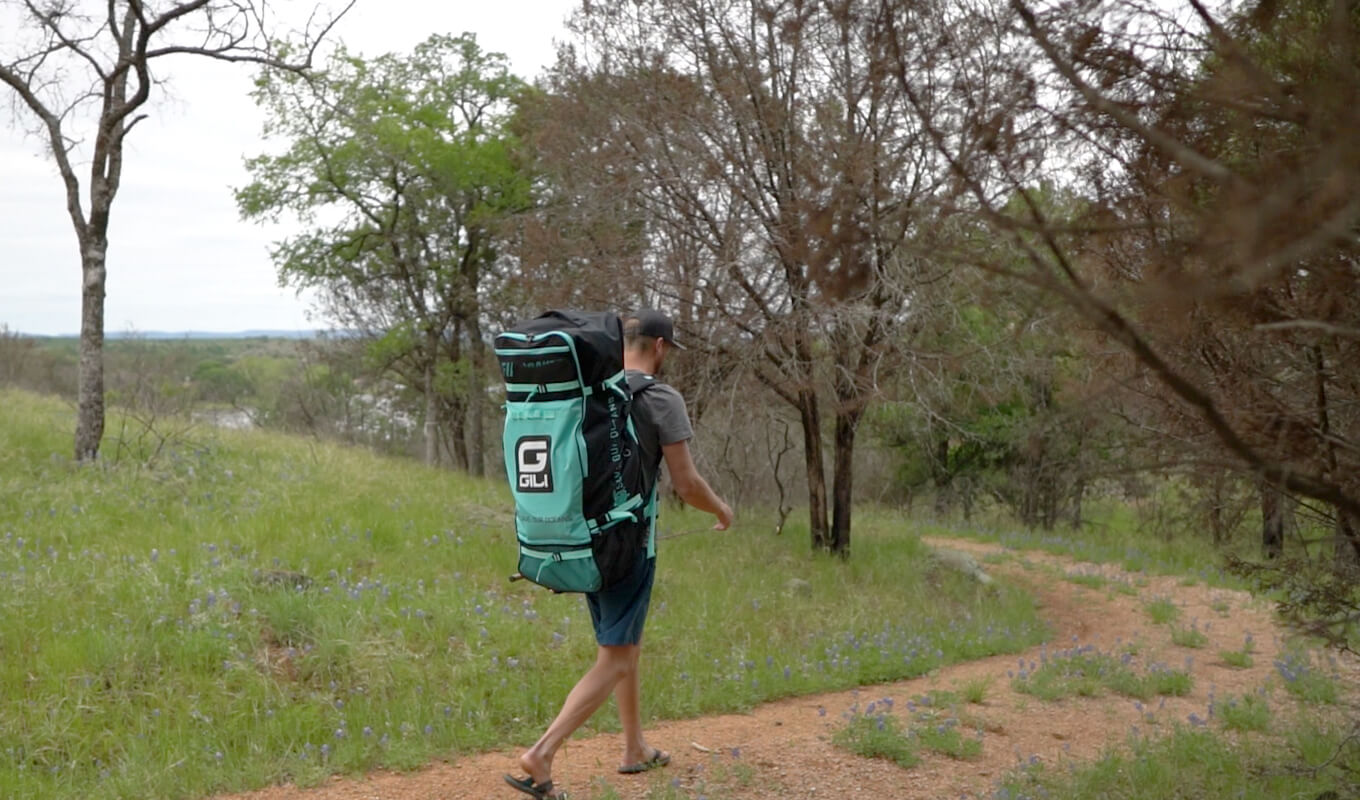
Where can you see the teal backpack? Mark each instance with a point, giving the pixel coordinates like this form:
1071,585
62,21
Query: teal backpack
582,515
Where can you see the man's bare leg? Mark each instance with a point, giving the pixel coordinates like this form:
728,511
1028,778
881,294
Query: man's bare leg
585,698
628,692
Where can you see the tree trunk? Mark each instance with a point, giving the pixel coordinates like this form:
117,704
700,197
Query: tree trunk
455,405
1078,496
1048,485
431,413
476,400
1347,547
843,481
1216,510
816,473
90,381
454,415
939,464
1272,521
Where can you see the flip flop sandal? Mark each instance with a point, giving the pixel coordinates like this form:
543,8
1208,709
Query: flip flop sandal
658,760
538,791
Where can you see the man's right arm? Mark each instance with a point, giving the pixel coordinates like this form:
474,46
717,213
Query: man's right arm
691,486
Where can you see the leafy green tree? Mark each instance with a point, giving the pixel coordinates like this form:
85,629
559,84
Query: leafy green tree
402,168
217,382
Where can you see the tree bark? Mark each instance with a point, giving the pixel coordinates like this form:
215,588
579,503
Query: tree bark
1078,496
1272,521
90,380
1216,525
476,399
816,472
847,423
939,464
431,411
1347,547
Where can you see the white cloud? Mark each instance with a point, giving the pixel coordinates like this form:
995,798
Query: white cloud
179,257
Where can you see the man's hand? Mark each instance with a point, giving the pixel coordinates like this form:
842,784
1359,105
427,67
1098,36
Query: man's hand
725,517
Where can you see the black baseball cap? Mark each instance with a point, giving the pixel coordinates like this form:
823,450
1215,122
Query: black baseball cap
655,324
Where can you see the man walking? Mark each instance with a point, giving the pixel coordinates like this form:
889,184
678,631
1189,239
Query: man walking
663,430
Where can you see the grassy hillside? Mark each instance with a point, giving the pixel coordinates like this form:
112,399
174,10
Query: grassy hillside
249,608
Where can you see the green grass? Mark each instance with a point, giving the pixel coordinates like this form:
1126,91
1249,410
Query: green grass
945,738
1247,713
1191,637
1240,658
1086,672
1197,763
937,725
934,724
975,691
252,608
1092,580
878,736
1162,610
1303,677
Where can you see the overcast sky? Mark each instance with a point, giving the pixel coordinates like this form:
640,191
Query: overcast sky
179,258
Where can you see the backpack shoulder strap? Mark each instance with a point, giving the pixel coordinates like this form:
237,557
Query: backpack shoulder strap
639,383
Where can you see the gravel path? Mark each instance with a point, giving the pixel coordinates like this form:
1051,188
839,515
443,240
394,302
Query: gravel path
783,750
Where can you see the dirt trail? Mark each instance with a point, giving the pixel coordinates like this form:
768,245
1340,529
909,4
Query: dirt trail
783,750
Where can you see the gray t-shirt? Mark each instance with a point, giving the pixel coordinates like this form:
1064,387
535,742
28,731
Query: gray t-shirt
660,418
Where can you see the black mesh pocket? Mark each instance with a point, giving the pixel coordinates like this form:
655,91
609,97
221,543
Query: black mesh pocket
619,550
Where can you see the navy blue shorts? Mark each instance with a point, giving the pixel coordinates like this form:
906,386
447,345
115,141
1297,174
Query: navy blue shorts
619,612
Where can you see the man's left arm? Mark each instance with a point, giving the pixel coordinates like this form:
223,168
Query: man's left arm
691,486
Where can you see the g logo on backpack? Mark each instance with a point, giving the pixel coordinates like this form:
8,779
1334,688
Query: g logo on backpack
533,470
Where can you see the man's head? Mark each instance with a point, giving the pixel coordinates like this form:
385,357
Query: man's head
647,336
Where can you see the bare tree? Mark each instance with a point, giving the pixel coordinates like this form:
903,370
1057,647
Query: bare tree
781,193
1221,226
80,74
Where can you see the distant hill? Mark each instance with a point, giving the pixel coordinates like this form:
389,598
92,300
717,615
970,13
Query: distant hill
248,334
